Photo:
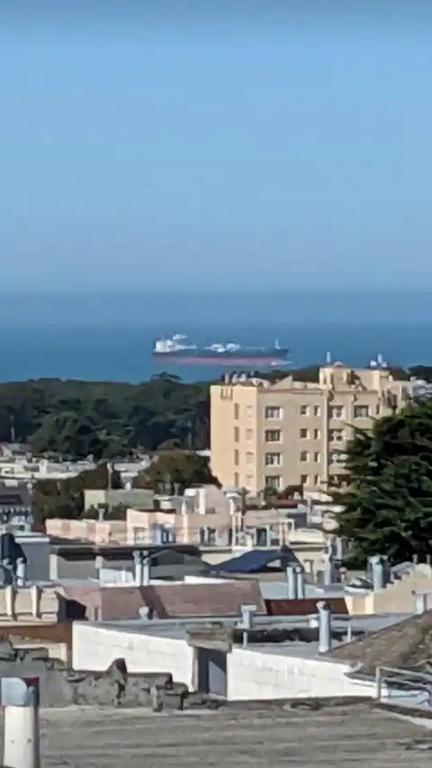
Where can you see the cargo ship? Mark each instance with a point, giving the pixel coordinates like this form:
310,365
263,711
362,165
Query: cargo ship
178,349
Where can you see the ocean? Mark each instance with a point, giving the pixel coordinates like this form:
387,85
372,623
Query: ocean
124,354
110,336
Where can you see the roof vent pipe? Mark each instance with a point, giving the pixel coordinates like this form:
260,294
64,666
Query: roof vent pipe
420,599
138,567
377,567
21,572
247,612
300,582
146,572
292,582
328,569
324,627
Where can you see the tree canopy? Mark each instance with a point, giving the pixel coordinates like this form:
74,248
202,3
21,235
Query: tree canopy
104,419
175,471
388,505
65,498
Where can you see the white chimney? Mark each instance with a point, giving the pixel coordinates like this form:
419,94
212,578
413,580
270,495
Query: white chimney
324,627
21,572
377,567
292,582
420,602
138,567
146,571
300,582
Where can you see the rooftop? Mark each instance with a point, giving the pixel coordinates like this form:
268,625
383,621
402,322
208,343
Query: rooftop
407,644
252,735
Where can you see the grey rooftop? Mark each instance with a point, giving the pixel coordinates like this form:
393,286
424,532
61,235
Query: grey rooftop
252,735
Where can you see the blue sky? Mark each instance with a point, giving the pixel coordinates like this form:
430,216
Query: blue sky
242,145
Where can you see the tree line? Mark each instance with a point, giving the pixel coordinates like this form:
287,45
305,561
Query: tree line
104,419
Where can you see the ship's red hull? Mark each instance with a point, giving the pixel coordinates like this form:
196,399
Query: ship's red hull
222,361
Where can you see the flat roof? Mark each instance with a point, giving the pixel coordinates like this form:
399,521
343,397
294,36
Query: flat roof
242,735
178,629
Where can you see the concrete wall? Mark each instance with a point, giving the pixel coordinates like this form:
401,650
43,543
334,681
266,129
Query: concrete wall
135,497
257,675
110,531
95,648
29,604
397,597
251,674
140,526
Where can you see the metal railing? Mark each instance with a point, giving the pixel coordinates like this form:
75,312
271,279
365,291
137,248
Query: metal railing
403,684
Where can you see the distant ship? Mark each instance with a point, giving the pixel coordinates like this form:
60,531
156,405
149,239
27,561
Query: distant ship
179,350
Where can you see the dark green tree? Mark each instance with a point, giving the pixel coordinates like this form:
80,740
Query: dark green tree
176,469
65,498
388,504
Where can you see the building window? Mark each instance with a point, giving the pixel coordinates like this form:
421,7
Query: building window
336,411
236,411
336,435
236,434
272,435
249,411
304,410
273,482
208,536
249,457
317,434
273,459
249,480
304,433
317,410
304,479
236,458
361,411
377,409
236,479
273,412
304,456
249,434
226,393
317,480
317,457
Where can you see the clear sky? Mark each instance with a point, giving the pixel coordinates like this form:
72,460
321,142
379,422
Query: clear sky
256,145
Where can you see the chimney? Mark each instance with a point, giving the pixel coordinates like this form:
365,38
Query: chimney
21,736
300,581
247,612
420,599
138,567
324,627
377,567
339,548
292,582
328,576
21,572
246,622
146,571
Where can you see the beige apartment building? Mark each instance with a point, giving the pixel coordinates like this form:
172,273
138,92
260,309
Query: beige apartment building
293,433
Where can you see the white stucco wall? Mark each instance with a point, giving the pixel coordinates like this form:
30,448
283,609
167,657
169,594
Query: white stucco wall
251,674
95,648
257,675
